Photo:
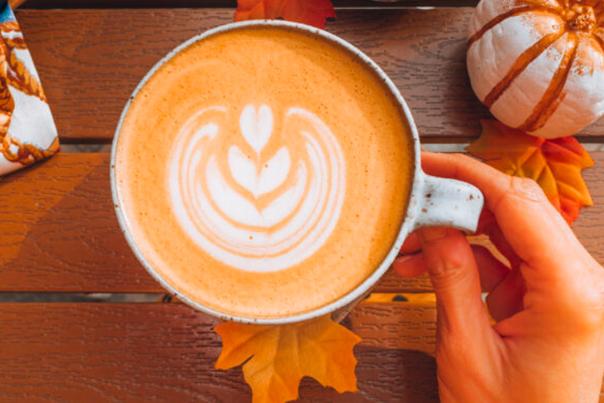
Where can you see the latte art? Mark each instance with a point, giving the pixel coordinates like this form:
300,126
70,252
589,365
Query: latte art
280,169
253,209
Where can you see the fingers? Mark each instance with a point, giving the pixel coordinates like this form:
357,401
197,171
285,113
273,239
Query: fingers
505,287
507,298
491,271
411,244
410,266
490,181
448,259
498,239
488,225
534,229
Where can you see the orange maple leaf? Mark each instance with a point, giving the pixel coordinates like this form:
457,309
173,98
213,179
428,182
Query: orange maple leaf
278,357
312,12
556,165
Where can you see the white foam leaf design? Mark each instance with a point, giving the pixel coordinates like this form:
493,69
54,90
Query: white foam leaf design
231,203
274,172
256,126
233,225
243,169
271,176
286,202
209,130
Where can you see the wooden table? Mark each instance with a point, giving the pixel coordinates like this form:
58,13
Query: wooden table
60,240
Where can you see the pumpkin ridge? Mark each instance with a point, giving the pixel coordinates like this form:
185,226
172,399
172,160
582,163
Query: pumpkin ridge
545,3
521,63
511,13
553,96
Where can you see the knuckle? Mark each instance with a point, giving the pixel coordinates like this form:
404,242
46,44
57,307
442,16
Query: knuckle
447,256
587,309
448,271
596,301
526,188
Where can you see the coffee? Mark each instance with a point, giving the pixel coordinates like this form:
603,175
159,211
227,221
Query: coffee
264,172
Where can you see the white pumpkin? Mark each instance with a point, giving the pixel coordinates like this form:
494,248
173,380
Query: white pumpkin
538,65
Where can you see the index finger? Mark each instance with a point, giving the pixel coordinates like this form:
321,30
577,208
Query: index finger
490,181
535,230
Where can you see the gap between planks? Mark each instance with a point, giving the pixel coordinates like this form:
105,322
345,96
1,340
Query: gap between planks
59,232
165,297
443,147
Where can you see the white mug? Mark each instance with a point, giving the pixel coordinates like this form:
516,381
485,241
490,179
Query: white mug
433,201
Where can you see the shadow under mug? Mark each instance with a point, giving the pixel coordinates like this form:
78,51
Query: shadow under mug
433,201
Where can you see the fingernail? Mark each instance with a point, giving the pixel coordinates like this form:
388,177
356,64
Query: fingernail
432,234
403,258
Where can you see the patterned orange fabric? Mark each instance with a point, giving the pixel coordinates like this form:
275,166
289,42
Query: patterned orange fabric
27,130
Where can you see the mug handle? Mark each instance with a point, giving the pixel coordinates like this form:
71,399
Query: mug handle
449,203
442,203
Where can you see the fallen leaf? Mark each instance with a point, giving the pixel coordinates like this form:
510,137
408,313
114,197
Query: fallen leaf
556,165
16,3
312,12
418,298
276,358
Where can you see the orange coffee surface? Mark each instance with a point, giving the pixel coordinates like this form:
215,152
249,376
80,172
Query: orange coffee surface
264,172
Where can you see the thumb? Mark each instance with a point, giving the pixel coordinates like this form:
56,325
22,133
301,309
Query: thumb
454,274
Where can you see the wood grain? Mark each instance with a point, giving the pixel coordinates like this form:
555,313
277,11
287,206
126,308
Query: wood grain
165,352
50,4
89,63
396,325
58,231
399,325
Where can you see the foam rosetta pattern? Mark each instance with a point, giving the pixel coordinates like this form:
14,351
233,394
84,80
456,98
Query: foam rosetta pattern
258,196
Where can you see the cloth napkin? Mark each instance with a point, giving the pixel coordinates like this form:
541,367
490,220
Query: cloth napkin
27,129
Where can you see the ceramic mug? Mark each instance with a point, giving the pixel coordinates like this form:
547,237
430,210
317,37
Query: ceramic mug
433,201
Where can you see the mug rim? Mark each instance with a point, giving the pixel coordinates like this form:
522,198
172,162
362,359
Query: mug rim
405,227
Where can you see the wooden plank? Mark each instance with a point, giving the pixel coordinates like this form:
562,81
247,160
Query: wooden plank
89,63
46,4
392,282
397,325
58,231
165,352
109,352
58,227
400,325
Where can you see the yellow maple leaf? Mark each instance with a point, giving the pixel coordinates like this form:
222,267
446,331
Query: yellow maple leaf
278,357
556,165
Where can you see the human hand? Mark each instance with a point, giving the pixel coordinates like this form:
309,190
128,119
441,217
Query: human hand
545,341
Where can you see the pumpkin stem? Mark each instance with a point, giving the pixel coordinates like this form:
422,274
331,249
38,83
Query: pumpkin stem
580,18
